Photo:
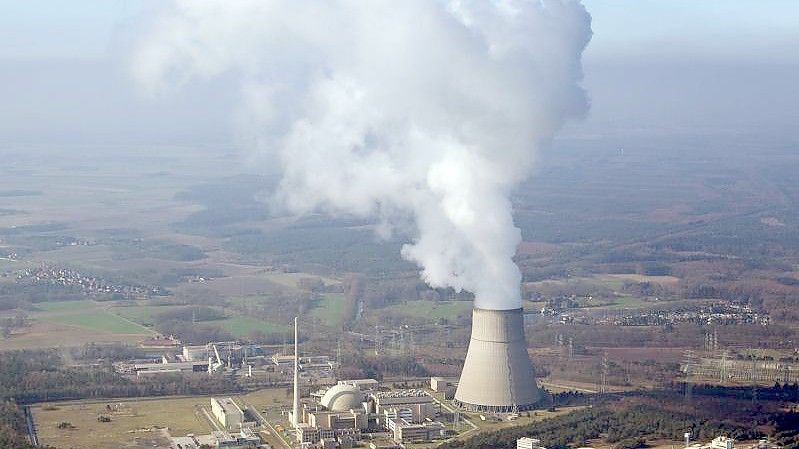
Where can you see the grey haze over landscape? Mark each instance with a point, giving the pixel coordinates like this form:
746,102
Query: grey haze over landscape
417,224
637,69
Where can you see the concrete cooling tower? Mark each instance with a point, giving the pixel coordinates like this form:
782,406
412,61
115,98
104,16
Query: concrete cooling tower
497,375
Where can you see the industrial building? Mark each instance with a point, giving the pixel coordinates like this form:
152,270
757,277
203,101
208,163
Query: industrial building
412,405
341,412
407,432
363,384
227,412
497,374
529,443
441,384
346,411
444,385
168,366
192,353
243,439
720,442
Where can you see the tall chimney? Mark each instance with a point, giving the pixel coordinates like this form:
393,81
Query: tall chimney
295,412
497,374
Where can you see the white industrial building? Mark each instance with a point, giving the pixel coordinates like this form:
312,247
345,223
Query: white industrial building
720,442
363,384
227,412
404,431
414,405
192,353
243,439
167,366
441,384
529,443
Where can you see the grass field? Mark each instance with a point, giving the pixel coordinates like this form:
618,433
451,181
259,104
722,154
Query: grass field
134,423
102,321
613,282
243,326
431,310
142,314
74,323
89,315
291,279
138,423
66,306
331,309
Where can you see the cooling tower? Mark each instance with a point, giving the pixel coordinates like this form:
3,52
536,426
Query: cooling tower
497,375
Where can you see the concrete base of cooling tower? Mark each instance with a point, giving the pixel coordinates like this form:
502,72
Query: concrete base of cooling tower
497,375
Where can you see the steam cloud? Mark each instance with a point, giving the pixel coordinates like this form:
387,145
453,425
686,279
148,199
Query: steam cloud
419,112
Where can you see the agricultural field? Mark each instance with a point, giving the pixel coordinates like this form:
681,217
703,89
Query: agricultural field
73,323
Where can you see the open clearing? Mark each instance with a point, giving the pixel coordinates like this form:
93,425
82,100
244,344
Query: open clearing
331,309
243,326
73,323
90,315
431,310
134,423
137,423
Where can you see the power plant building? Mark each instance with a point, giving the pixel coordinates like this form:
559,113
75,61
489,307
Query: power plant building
405,432
528,443
413,405
227,412
497,374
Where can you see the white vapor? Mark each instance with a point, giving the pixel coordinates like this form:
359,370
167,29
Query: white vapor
420,111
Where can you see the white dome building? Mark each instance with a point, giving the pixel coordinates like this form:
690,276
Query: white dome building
342,398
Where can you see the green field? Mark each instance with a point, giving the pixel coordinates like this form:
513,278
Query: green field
86,314
243,326
331,309
142,314
66,306
430,309
291,279
100,320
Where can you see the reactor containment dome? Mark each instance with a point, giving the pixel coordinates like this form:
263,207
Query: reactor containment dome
497,375
342,398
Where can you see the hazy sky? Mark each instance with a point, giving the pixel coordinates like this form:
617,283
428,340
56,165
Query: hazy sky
60,57
763,30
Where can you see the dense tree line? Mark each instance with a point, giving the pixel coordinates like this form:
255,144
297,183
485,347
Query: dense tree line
109,352
32,376
13,431
620,426
356,365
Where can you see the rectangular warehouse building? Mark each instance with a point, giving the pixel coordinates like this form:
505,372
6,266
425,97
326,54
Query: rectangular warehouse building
227,413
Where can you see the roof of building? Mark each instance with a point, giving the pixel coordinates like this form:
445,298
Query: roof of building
413,393
228,405
342,398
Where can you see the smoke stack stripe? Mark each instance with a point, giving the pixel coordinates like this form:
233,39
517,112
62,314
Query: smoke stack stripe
497,375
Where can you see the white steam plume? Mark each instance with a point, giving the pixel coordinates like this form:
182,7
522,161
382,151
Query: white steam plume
415,110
